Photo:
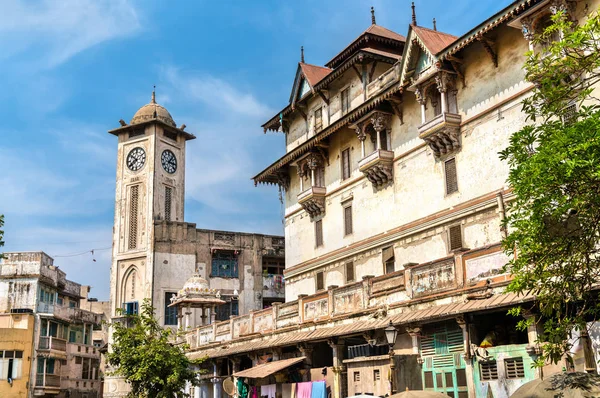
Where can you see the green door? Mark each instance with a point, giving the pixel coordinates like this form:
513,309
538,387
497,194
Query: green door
443,364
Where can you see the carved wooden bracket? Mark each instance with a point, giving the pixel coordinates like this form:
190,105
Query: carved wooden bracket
322,95
360,76
372,71
488,46
396,104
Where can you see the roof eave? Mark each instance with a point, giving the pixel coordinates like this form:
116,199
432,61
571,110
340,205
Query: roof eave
122,129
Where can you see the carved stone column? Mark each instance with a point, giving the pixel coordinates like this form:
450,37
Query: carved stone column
360,133
380,123
441,81
213,315
179,318
216,380
188,312
421,99
338,367
301,176
533,332
415,333
467,355
313,163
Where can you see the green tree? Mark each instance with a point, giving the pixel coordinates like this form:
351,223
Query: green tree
144,354
554,221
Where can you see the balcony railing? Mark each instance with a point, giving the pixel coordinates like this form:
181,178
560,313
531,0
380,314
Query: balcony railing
52,343
43,380
313,200
442,133
68,313
378,167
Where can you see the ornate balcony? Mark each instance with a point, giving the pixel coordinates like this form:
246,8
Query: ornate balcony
442,133
313,200
378,167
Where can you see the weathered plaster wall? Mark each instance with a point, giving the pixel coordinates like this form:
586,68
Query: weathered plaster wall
16,333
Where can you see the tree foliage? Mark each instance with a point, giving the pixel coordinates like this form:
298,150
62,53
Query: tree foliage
554,221
143,353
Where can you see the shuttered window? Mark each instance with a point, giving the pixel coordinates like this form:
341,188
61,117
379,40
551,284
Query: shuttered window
318,120
376,374
168,192
347,220
319,233
320,281
455,237
346,164
349,272
133,216
389,262
345,100
488,370
451,178
513,368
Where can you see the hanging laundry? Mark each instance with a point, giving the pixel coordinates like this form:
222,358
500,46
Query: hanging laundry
254,393
242,388
268,391
278,282
318,389
288,390
303,390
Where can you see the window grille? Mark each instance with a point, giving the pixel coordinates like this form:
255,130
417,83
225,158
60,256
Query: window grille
569,113
349,272
224,264
319,233
133,216
376,374
168,191
346,164
356,376
318,120
347,220
170,312
513,368
455,235
488,370
320,281
451,177
345,100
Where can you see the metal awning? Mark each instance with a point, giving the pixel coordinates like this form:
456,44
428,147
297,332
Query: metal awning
269,368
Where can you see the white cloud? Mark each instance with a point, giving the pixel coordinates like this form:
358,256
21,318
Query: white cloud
214,92
57,30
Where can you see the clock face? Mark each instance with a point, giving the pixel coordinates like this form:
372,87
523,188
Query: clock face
136,159
169,161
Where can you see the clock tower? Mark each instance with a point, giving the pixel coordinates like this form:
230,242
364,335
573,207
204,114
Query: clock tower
149,187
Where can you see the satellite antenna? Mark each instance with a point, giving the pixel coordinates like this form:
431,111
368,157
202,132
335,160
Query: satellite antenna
229,386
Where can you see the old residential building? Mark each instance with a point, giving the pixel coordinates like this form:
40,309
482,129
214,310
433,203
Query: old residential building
45,337
155,252
394,195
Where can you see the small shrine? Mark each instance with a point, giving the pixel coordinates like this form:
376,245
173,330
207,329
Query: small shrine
196,293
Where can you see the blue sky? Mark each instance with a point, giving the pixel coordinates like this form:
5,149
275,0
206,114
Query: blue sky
69,70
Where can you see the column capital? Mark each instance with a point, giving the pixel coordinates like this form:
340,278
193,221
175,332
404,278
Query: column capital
420,96
360,133
380,121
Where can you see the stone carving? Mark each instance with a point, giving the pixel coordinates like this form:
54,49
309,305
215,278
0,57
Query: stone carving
444,142
225,237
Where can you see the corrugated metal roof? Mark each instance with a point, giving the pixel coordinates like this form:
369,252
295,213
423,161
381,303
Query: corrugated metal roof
267,369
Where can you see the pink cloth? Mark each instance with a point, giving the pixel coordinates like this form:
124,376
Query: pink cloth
254,392
304,390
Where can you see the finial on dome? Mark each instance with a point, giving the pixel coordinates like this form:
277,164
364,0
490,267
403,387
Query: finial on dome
434,24
414,15
373,15
153,101
302,54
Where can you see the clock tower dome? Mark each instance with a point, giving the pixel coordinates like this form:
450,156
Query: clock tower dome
149,187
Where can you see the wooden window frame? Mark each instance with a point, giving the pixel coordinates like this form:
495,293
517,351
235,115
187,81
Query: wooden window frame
347,266
452,249
348,100
319,233
446,186
318,127
346,172
322,287
348,227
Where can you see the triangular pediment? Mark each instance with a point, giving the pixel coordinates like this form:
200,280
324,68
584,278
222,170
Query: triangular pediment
307,76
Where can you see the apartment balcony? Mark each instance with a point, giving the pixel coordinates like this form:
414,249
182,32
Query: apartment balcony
378,167
442,133
273,286
70,314
49,343
83,350
47,381
313,201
